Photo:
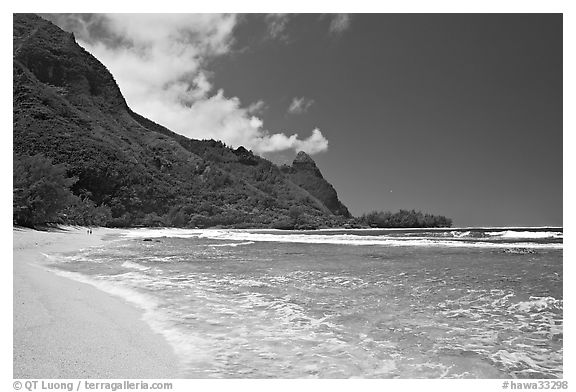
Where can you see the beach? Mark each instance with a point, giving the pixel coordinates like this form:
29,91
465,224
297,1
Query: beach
231,303
68,329
247,303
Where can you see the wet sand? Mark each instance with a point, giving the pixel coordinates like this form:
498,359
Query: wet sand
68,329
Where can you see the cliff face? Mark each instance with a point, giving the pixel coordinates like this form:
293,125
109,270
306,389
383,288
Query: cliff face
68,107
306,175
55,60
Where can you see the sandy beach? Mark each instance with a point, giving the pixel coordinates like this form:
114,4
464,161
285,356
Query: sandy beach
68,329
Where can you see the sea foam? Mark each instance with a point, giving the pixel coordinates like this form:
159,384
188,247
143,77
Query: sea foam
247,237
159,322
350,239
233,244
131,265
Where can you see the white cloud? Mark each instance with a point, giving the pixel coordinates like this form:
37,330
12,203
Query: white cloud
315,143
257,107
277,24
300,105
339,23
160,64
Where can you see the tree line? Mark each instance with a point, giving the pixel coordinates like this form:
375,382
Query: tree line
43,193
404,218
47,193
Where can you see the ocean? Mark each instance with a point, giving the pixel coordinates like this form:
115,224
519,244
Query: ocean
459,303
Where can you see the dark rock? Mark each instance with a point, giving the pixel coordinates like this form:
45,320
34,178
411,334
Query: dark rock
246,157
519,251
306,174
303,159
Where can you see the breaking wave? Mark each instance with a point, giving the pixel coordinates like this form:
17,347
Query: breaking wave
131,265
234,303
467,239
525,234
234,244
159,321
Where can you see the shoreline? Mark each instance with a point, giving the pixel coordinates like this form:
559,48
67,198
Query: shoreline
67,329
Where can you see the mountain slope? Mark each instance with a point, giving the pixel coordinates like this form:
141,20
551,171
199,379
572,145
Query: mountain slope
68,107
306,175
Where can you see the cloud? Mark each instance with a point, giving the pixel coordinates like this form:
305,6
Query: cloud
277,24
339,23
257,107
160,62
300,105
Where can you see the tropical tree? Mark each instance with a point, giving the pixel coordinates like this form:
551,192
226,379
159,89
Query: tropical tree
41,190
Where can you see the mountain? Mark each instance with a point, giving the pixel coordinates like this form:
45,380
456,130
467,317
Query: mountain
67,107
306,175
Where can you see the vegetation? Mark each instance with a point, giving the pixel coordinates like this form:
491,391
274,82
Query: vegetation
42,194
306,175
128,170
41,190
82,156
404,218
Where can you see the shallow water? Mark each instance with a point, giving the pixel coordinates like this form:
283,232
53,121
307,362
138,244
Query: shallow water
339,304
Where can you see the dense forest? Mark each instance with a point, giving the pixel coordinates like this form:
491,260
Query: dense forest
43,194
82,156
404,218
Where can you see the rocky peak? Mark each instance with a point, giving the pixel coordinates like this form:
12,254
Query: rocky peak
307,175
304,163
245,156
303,158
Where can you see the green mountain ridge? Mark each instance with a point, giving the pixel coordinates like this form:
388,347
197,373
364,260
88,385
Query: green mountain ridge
68,107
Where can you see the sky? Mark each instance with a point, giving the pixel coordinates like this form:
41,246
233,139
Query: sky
452,114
